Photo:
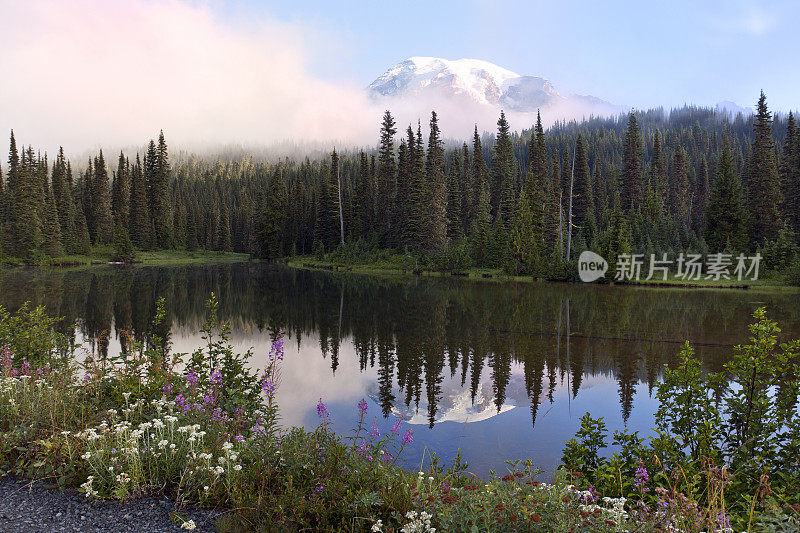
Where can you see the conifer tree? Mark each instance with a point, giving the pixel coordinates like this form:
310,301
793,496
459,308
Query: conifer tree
139,211
387,179
62,191
466,185
9,202
100,203
179,214
632,189
26,222
436,188
51,228
416,219
679,193
726,221
479,172
763,180
454,218
121,193
790,175
224,229
502,189
582,200
524,254
271,221
701,196
658,169
160,210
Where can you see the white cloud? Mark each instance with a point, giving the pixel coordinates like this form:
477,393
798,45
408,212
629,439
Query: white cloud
89,72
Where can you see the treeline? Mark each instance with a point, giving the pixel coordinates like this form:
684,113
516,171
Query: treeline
651,182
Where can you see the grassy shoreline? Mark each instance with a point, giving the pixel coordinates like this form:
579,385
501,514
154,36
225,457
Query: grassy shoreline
102,256
497,275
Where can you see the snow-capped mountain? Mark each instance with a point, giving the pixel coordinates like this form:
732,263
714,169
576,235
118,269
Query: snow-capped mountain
481,83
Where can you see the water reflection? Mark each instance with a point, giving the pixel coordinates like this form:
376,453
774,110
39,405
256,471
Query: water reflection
503,369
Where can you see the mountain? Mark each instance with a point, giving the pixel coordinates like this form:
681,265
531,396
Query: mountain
732,108
474,82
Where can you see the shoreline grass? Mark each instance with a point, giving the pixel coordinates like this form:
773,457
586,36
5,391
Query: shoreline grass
102,256
497,275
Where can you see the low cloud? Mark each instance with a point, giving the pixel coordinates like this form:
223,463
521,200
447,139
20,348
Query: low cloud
92,72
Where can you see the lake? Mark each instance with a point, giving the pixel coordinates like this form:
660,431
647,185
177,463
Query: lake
500,370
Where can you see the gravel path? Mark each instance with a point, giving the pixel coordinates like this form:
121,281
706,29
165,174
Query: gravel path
28,507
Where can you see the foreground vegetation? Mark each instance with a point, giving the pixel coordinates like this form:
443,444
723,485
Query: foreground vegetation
106,254
205,429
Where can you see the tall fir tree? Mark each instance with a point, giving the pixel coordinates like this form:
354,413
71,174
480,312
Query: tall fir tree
387,180
790,175
160,208
502,189
763,181
139,211
632,188
51,227
582,199
436,188
726,221
454,218
121,194
100,203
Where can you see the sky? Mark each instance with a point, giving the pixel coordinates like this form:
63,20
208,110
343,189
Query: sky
88,73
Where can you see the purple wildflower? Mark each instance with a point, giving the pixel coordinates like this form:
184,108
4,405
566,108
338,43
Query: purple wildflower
322,411
216,377
239,438
396,426
408,437
268,387
641,476
276,351
192,378
374,431
362,406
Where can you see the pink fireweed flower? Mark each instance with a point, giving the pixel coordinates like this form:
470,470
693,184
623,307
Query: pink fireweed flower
276,351
396,426
362,406
216,377
322,411
268,387
408,437
192,378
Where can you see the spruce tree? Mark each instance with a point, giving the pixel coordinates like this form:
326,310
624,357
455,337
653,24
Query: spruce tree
763,180
479,172
224,229
271,220
436,188
416,219
679,192
632,189
726,221
10,204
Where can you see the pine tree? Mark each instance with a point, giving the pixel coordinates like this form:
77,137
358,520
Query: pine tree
387,179
679,192
726,221
436,188
658,169
763,180
700,203
12,185
632,189
524,254
139,212
416,219
179,214
479,172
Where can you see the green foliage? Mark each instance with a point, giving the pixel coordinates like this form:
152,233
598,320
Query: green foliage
29,334
726,442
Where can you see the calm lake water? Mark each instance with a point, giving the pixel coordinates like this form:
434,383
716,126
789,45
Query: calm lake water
502,371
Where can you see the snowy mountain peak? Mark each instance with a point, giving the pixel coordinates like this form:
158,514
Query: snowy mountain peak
470,82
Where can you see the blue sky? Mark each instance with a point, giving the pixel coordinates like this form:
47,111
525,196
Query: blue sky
641,54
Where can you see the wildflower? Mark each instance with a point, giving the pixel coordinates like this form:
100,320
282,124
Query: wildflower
362,406
216,377
127,396
377,527
268,387
322,411
190,525
192,378
396,426
408,437
237,468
